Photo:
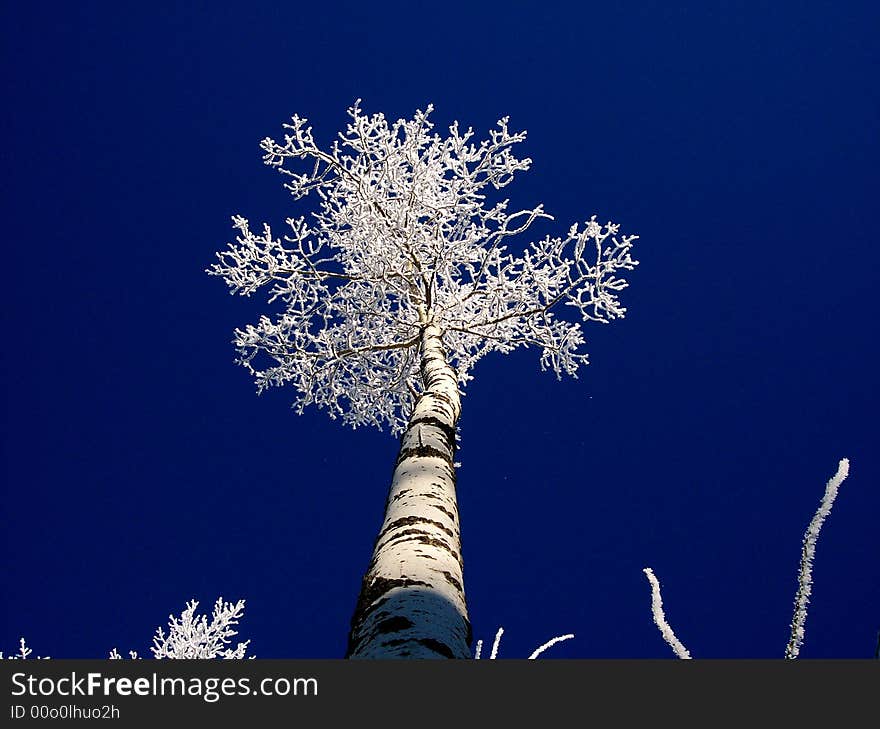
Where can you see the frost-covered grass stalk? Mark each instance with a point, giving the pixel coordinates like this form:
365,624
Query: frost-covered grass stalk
388,293
660,618
808,552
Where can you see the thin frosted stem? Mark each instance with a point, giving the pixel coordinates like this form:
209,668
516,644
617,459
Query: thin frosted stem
537,652
553,641
496,643
660,619
808,552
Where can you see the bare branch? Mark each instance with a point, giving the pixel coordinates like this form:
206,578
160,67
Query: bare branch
660,618
808,552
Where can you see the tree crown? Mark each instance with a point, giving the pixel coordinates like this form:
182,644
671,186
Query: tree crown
404,236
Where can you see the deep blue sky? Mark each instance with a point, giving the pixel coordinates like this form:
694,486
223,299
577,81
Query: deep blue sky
739,140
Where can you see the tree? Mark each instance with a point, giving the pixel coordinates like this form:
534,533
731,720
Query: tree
396,285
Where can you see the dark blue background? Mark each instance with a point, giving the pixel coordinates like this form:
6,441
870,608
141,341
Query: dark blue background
739,139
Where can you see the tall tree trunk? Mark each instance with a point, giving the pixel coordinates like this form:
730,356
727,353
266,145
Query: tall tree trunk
412,602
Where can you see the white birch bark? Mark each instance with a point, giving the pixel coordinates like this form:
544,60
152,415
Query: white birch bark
412,602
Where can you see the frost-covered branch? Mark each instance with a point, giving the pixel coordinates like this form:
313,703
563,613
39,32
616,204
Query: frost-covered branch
537,652
808,552
189,636
23,652
805,575
401,236
549,644
660,618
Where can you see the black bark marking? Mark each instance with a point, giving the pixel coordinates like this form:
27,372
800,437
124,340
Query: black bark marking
445,511
410,520
375,588
448,430
438,647
441,396
452,580
402,536
394,625
438,500
420,537
430,643
372,589
424,452
394,642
